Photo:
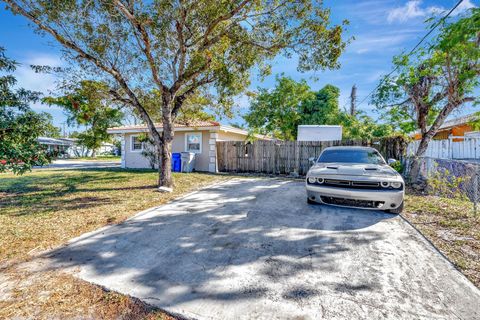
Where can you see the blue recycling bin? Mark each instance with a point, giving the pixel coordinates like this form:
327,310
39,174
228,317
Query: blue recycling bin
176,162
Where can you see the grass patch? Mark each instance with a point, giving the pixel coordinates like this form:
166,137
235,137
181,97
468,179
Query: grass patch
46,208
56,295
451,226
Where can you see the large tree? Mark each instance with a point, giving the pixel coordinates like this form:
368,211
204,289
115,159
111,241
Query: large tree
182,48
279,111
433,82
19,125
88,104
323,108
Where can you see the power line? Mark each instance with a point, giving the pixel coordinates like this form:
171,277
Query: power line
411,51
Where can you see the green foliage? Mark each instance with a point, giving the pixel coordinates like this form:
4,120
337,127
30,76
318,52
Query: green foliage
149,150
88,104
19,125
192,45
323,108
278,112
444,184
184,48
398,166
432,82
194,109
49,129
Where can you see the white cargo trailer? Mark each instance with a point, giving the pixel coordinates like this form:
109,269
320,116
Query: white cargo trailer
319,133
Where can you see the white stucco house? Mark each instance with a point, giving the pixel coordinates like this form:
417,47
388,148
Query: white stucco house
199,137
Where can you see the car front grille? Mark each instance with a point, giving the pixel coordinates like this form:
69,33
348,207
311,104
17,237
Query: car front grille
352,202
352,184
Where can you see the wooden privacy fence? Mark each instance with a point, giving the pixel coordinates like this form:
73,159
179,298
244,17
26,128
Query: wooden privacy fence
290,157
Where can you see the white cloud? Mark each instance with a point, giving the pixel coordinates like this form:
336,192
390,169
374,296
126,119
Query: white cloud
27,78
409,11
365,43
413,9
465,5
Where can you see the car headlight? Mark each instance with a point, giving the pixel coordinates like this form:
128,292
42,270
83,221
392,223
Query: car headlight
385,184
396,185
320,180
311,179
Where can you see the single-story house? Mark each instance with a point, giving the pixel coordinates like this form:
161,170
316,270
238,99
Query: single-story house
199,137
59,147
456,128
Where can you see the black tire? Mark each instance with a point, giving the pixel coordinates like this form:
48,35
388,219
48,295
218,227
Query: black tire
309,201
397,210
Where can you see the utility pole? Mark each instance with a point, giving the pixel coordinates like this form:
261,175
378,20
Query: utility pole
353,100
64,131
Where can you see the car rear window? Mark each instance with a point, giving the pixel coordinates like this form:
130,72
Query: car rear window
351,156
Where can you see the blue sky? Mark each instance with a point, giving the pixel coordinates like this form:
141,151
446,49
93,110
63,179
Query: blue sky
382,29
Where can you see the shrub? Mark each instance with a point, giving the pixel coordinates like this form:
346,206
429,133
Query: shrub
444,184
398,166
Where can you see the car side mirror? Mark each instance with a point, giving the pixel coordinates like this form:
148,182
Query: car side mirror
312,160
391,161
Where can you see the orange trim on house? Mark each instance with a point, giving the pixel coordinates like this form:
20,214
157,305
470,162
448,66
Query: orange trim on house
456,131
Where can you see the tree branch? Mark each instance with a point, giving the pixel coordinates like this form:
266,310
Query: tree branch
180,99
224,17
147,49
73,46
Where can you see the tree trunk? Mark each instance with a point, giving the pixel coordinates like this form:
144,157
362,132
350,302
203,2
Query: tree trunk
427,136
165,182
414,175
94,153
165,178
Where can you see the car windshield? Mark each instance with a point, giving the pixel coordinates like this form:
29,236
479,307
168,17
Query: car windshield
351,156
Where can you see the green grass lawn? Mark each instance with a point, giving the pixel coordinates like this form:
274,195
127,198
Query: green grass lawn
45,208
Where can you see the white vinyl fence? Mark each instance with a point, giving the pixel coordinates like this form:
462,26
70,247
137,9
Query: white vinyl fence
469,148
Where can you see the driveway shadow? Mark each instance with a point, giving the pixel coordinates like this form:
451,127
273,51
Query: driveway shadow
244,240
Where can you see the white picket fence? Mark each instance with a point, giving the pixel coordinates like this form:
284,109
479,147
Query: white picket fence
469,148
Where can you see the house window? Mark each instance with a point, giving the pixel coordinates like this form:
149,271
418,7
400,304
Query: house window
193,142
137,145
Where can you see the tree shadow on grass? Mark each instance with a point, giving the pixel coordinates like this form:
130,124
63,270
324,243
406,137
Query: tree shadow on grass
37,194
232,242
35,206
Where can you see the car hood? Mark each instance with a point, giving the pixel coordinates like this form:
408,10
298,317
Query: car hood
353,169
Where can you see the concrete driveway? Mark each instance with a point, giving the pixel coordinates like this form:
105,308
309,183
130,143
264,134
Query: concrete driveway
254,249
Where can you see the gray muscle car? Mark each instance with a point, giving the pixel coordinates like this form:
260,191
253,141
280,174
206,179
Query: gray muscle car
355,177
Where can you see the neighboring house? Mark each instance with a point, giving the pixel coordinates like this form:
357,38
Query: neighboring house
107,148
455,128
59,147
199,137
456,139
69,148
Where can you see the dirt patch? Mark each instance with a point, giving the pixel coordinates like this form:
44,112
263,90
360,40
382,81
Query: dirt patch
34,294
452,226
